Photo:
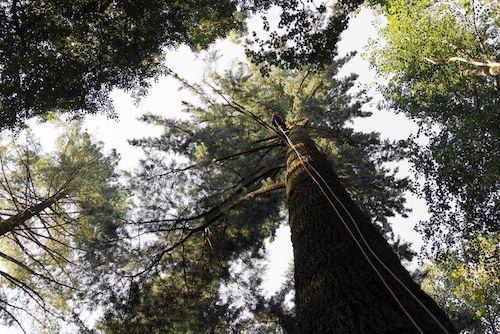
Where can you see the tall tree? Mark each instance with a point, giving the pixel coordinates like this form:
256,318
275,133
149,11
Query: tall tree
59,214
230,189
442,61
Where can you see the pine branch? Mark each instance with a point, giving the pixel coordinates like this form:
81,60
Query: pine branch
212,217
239,108
217,160
246,184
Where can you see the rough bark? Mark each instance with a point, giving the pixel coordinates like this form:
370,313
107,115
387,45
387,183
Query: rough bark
337,291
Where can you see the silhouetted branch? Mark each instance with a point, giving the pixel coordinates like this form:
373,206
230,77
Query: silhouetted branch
212,215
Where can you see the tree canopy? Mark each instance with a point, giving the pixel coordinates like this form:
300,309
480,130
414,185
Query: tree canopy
66,56
467,285
441,61
182,247
59,217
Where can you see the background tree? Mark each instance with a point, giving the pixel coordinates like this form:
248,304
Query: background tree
66,56
306,34
432,57
468,292
194,293
215,181
59,217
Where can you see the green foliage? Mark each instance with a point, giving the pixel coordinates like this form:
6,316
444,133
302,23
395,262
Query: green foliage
306,34
66,56
456,107
185,298
455,104
53,259
469,291
210,191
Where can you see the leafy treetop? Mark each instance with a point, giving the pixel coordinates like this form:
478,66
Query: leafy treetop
467,285
66,56
440,59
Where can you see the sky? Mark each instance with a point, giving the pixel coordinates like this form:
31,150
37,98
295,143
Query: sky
164,98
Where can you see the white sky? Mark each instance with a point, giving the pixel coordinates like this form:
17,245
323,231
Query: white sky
164,98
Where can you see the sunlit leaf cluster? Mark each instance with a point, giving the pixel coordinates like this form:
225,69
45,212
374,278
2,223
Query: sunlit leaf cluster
59,216
467,285
439,58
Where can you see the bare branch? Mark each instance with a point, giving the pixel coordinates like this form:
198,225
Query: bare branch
217,160
263,174
11,315
31,271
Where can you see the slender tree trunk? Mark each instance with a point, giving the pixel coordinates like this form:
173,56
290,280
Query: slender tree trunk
8,225
336,289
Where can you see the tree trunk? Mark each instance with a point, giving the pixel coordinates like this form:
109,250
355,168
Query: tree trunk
336,289
8,225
